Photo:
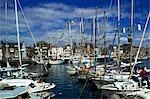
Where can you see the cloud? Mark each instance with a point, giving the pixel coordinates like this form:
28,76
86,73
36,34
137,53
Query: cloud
48,20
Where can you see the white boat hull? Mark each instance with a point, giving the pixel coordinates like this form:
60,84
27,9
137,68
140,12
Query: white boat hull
32,86
107,79
71,72
56,62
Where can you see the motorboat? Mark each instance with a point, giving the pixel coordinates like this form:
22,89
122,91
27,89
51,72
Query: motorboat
55,61
72,70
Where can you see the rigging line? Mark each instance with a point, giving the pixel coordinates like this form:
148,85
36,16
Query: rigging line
110,5
111,2
101,95
26,21
83,88
113,43
66,31
140,45
88,89
28,26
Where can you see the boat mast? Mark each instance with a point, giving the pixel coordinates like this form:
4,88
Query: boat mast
6,23
98,31
131,32
142,38
118,27
18,34
93,32
82,26
70,37
81,35
95,54
105,39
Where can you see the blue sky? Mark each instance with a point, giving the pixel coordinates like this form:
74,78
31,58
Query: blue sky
48,18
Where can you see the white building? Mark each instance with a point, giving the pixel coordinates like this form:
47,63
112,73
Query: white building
56,52
67,52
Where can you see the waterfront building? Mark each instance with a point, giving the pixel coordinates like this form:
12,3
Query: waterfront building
12,50
41,50
56,52
67,52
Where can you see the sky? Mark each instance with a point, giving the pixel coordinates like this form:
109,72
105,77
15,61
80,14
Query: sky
48,19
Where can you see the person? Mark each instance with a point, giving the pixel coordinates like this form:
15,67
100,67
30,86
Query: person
144,76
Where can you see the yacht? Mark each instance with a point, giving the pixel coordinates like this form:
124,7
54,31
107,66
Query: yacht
7,91
127,87
12,72
15,92
55,61
33,86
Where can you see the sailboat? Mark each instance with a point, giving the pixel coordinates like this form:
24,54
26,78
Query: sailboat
91,67
112,73
128,86
19,92
55,58
10,71
31,85
71,69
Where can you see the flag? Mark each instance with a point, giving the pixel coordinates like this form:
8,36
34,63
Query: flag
124,30
139,27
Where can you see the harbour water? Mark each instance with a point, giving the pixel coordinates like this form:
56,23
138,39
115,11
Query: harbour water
68,87
74,31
